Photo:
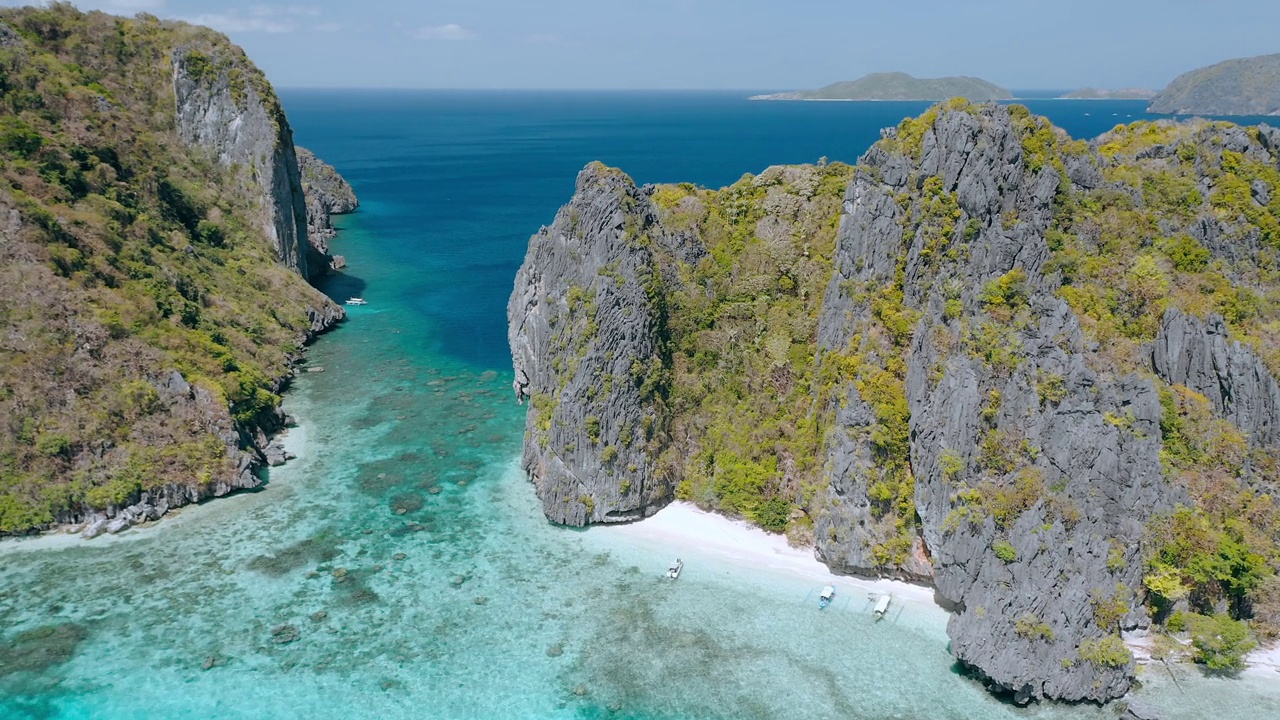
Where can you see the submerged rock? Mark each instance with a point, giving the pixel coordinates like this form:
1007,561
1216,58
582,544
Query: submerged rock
285,634
39,649
1137,710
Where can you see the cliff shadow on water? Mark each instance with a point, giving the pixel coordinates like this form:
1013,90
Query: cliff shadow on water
1035,372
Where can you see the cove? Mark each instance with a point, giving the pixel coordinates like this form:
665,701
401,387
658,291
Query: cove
401,566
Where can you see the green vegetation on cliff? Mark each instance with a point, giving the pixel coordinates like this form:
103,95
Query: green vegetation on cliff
127,256
743,330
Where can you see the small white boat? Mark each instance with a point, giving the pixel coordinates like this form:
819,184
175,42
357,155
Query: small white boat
828,594
357,301
673,572
882,606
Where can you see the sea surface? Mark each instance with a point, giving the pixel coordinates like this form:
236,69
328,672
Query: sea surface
400,567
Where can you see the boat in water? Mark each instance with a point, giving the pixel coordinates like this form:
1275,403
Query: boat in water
357,301
828,594
673,572
882,606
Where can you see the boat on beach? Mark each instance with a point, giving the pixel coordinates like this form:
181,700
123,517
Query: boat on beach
357,301
676,568
828,594
882,605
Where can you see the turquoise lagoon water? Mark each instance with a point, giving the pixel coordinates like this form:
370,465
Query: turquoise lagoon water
404,550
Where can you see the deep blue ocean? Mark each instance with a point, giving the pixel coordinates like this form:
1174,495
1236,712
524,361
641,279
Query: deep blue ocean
401,567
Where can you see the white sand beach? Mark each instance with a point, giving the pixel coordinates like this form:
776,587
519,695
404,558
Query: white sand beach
684,525
1265,662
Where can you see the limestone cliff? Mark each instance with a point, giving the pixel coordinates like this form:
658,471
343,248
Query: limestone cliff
226,107
328,194
152,233
983,367
586,332
1074,484
1200,355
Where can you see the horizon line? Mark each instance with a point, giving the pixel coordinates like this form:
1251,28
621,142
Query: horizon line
615,89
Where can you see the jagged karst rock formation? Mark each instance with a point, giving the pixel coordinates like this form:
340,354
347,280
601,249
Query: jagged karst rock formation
328,194
585,337
1006,388
1200,355
974,421
1243,86
155,269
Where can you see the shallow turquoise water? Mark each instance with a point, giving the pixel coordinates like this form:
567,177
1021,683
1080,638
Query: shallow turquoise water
491,612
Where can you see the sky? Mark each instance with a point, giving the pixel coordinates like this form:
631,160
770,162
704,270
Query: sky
725,44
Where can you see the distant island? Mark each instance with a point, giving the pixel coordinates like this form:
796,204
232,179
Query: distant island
1121,94
900,86
1246,86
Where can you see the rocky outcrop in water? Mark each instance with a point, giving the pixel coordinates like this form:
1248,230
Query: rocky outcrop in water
328,194
226,107
586,334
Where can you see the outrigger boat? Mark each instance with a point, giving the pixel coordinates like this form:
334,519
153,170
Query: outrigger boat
673,572
357,301
828,594
882,606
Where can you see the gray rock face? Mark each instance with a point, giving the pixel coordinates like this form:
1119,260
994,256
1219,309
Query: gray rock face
586,342
8,37
1088,457
95,528
1199,354
328,194
242,125
1247,86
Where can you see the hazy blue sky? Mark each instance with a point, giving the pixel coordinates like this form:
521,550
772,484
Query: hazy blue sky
740,44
